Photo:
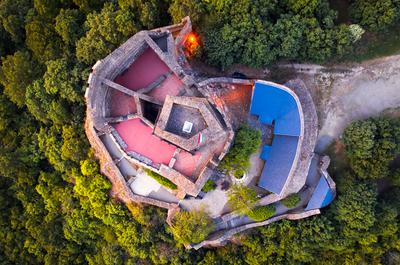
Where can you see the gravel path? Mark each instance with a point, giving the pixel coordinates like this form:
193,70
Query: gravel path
214,202
344,93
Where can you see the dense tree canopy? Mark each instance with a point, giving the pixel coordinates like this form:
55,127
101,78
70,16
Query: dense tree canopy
257,33
376,15
371,145
192,227
16,73
55,206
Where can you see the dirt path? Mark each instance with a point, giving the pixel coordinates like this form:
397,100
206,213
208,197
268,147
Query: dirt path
345,93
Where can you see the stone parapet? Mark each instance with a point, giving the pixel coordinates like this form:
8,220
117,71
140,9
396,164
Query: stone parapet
226,80
309,140
324,164
119,87
154,84
270,198
180,180
204,175
171,214
121,118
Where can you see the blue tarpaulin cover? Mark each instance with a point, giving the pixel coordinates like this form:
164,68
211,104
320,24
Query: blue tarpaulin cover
322,196
265,152
274,105
278,164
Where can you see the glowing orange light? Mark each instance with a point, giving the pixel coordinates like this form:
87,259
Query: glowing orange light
192,44
192,38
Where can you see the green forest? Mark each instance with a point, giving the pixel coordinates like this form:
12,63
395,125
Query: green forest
55,204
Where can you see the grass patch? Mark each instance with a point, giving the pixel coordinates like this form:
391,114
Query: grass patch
160,179
262,213
209,186
291,201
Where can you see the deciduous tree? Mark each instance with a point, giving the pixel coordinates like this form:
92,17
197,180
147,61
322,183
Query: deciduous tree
16,73
375,15
191,227
242,199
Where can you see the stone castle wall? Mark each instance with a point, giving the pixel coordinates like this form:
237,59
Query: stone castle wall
310,121
120,188
221,238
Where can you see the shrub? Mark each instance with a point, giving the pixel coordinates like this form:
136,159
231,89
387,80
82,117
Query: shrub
262,213
239,173
191,227
160,179
209,186
291,201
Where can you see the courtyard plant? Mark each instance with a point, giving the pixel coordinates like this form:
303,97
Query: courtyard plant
239,173
191,227
291,201
242,199
246,142
261,213
209,186
160,179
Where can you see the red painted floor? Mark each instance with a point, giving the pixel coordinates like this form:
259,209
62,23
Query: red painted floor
172,86
186,163
142,72
122,104
139,138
